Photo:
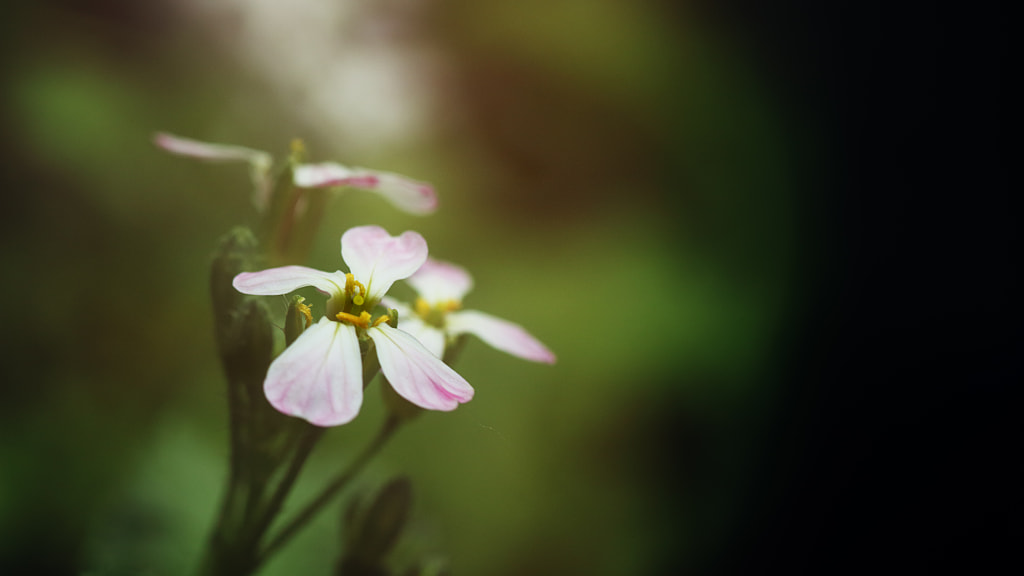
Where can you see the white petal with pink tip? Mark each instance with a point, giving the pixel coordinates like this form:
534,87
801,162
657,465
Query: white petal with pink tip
500,334
415,373
378,259
319,377
285,279
404,193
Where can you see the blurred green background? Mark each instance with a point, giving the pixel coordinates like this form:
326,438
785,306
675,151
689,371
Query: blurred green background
616,175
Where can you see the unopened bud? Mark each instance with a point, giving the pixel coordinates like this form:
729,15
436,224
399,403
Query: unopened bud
241,324
237,252
372,530
249,349
297,319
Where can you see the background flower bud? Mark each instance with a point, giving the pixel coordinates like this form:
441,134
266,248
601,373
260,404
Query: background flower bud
372,528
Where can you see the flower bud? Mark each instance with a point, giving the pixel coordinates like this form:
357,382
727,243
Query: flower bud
237,252
250,346
297,319
372,529
241,324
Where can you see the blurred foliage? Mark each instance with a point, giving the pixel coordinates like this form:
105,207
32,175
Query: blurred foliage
614,174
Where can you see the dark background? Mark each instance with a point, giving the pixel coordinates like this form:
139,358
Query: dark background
896,440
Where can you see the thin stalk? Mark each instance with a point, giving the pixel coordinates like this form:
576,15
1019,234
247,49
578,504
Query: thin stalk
331,490
306,443
228,515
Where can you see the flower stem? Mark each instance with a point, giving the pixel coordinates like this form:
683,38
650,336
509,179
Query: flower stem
331,490
307,440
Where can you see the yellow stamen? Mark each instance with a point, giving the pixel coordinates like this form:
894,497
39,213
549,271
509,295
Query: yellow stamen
437,312
356,288
422,308
380,320
305,310
362,321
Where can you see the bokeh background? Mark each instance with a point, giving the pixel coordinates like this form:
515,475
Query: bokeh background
631,181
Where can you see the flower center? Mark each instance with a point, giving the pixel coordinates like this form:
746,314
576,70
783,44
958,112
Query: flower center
354,310
435,315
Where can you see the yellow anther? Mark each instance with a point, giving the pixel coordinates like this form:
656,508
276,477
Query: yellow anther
355,287
425,310
298,146
422,308
305,311
380,320
362,321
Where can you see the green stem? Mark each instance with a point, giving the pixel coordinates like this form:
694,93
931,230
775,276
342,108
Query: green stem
330,491
234,457
308,439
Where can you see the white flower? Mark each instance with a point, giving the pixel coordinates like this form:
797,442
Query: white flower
319,377
437,317
404,193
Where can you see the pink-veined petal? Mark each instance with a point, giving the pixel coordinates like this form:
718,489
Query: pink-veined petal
432,338
500,334
404,193
319,378
415,373
288,278
378,259
209,151
438,282
408,195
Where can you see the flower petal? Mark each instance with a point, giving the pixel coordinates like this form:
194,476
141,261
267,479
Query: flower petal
321,175
260,162
501,334
404,193
320,376
288,278
431,338
403,309
415,373
438,282
378,259
208,151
